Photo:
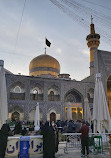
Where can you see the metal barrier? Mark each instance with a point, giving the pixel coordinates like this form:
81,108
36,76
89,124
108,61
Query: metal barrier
73,141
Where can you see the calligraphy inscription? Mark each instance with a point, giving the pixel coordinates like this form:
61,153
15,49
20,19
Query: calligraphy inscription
36,146
13,146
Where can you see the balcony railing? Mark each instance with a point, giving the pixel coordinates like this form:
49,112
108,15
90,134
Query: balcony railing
36,97
17,96
54,97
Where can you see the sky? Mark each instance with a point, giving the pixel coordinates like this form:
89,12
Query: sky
23,37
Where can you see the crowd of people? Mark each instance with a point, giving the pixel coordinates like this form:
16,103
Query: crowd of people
50,132
50,135
72,126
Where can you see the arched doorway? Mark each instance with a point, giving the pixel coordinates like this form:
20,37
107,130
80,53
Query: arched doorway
52,117
16,112
15,116
73,99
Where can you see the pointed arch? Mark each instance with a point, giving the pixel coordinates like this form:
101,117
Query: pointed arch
77,96
74,100
17,91
16,112
54,93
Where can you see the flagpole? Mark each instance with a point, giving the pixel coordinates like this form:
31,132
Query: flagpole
45,45
45,50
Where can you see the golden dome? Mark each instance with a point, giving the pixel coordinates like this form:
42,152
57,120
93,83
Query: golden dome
44,65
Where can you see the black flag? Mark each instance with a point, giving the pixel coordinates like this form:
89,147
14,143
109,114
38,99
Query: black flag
47,42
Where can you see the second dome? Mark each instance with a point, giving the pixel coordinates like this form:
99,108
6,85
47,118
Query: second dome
44,65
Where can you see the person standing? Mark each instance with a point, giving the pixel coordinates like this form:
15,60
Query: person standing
92,126
84,138
56,137
3,140
48,141
18,127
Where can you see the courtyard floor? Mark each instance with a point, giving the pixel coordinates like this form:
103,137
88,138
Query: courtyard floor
72,153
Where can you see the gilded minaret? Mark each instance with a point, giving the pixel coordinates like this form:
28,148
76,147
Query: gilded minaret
93,41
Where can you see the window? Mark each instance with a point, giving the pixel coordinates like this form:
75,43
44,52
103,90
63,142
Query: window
17,89
77,113
51,96
80,113
35,94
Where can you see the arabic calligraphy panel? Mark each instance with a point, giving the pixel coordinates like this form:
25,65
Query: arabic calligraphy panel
12,147
36,146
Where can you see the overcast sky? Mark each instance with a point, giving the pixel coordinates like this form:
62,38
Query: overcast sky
66,33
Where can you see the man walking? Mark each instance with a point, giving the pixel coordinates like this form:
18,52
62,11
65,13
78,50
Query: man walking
84,138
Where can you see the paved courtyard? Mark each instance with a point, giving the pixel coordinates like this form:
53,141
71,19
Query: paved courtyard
75,154
72,153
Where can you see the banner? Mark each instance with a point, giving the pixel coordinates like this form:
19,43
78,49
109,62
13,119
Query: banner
36,146
13,147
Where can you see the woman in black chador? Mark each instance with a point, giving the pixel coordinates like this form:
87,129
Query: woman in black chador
3,140
48,141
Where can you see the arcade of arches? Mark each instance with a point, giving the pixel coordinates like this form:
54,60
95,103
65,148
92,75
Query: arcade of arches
72,98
